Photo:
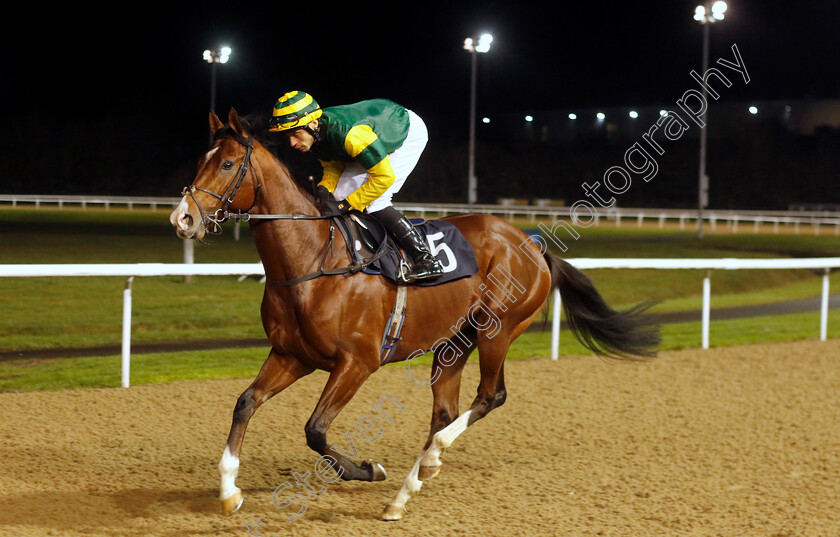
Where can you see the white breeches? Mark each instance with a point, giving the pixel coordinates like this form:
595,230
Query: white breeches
403,161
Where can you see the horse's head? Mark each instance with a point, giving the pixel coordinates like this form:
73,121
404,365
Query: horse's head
226,182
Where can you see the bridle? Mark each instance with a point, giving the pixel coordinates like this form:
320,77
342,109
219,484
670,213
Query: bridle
213,221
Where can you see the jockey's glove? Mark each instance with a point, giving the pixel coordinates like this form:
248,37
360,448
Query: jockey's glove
322,193
331,206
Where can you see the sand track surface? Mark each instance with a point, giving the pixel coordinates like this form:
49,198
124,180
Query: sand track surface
732,442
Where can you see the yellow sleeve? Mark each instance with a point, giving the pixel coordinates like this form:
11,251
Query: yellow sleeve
332,171
364,146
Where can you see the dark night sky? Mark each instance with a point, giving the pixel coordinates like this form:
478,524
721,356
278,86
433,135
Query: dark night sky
71,71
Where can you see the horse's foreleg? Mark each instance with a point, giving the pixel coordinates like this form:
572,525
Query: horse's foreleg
342,385
276,374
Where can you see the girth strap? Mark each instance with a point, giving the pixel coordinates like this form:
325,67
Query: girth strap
391,337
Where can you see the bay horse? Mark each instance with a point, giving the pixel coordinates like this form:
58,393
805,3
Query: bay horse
334,323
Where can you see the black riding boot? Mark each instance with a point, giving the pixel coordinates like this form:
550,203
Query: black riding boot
410,240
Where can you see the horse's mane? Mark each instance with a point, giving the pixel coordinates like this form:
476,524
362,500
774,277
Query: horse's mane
301,166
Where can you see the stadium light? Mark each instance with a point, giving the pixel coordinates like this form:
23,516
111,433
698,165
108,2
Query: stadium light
221,55
705,13
482,44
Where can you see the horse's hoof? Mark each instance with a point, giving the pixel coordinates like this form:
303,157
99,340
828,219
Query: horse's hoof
428,472
393,512
232,503
378,471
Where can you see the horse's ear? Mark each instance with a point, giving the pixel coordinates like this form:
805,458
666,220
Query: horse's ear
233,120
215,123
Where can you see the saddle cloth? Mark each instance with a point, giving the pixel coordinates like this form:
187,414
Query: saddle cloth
447,244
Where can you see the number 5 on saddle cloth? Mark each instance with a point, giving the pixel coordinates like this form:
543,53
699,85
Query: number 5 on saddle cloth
366,238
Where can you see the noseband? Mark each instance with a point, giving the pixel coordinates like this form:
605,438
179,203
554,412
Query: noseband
212,221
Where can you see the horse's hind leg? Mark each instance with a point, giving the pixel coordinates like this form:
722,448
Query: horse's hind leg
491,393
276,374
445,390
445,408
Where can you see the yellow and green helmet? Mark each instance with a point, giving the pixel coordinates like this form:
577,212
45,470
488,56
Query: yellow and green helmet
292,110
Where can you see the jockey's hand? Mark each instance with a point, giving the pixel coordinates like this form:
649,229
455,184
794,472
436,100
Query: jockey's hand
322,193
331,206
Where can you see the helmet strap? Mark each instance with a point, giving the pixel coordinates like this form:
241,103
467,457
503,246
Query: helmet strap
316,132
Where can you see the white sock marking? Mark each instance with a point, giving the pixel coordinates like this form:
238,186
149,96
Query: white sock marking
228,468
431,457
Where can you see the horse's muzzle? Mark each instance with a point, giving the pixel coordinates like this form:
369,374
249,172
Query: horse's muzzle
186,226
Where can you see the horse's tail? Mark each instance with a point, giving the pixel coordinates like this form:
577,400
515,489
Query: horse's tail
601,329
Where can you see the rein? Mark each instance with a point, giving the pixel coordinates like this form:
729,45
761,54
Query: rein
352,269
212,222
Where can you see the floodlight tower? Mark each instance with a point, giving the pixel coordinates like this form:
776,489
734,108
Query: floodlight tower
706,14
214,57
474,47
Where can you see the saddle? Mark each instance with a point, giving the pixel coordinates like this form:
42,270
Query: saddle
370,246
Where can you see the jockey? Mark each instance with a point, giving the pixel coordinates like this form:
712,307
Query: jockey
367,150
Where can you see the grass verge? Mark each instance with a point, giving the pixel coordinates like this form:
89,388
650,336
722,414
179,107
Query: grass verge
155,368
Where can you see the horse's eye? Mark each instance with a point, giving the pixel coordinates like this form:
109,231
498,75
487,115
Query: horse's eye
227,165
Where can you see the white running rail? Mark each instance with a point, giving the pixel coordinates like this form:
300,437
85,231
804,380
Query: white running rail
817,220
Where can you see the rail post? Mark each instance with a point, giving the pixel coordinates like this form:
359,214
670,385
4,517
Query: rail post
189,256
824,306
707,292
126,333
555,325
